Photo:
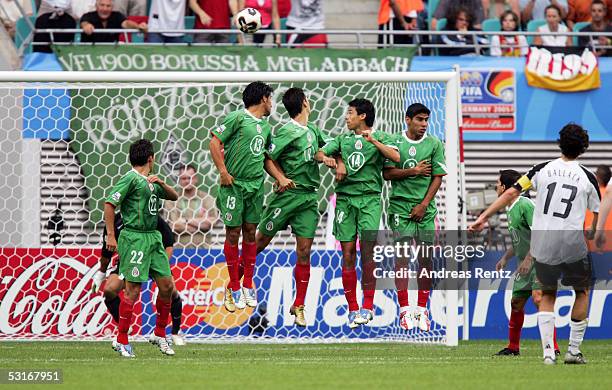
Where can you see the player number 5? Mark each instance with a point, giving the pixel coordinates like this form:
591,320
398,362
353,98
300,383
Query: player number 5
136,257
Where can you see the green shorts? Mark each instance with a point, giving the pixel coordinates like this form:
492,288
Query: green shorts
356,215
141,254
298,209
400,222
240,203
525,284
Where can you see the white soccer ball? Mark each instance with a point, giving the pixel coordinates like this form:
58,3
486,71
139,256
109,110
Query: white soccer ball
248,20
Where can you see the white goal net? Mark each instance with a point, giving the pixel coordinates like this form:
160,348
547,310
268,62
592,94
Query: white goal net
66,138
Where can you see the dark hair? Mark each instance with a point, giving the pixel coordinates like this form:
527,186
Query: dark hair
184,167
293,100
607,174
514,17
553,6
508,177
255,92
140,151
453,15
600,2
573,140
364,106
416,109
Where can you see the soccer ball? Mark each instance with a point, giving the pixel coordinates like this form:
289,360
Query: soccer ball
248,20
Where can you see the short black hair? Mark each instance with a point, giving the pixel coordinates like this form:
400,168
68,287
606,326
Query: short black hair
553,6
364,106
606,173
508,177
573,140
416,109
184,167
140,151
293,100
600,2
255,92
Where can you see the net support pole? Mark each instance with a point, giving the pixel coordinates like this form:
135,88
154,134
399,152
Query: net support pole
452,194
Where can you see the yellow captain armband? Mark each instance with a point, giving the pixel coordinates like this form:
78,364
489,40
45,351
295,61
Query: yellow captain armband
525,183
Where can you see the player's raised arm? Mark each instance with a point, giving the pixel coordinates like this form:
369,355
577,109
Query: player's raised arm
170,193
504,200
604,211
216,146
390,152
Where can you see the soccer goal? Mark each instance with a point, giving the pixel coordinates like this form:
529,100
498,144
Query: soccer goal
66,137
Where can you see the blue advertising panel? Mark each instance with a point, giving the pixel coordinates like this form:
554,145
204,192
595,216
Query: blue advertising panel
540,113
201,278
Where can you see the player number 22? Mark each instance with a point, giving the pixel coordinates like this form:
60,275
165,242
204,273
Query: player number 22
136,257
568,201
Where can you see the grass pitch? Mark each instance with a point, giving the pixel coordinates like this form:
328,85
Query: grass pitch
88,366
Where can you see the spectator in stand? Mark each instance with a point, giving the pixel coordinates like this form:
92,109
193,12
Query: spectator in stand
213,14
461,20
494,9
105,18
387,21
536,9
510,45
306,15
599,23
166,15
193,214
270,18
10,13
57,17
578,11
447,7
131,7
553,24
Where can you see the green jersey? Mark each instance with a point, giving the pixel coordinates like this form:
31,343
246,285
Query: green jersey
430,148
520,216
139,201
245,139
363,162
294,146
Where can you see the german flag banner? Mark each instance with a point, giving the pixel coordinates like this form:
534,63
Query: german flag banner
562,69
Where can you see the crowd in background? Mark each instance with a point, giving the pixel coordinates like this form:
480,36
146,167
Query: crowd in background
307,17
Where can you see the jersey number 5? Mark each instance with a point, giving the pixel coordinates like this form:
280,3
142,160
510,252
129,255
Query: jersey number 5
568,201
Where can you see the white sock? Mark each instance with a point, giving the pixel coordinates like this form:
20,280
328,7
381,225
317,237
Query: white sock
546,323
404,308
577,329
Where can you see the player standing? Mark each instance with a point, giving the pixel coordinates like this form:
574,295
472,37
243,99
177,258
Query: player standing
237,149
565,189
293,147
520,217
358,204
114,284
415,180
140,244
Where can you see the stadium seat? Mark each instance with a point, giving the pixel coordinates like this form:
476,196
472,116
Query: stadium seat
441,24
491,25
533,26
189,24
23,30
577,27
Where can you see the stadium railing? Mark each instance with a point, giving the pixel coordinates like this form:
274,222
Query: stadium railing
360,37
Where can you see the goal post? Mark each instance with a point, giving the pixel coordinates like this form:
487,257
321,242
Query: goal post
105,111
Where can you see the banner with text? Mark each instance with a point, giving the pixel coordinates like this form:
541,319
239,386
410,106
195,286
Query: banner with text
231,59
562,69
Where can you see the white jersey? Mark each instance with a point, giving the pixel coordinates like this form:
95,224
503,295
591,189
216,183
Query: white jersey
167,15
565,190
